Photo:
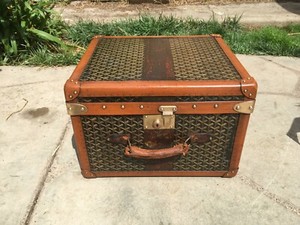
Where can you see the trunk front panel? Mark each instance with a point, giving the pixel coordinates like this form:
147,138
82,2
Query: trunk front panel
212,156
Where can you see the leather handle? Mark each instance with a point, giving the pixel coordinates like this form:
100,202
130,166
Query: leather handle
140,153
179,149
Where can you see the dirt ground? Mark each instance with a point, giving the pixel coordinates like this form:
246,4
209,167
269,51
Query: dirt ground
260,13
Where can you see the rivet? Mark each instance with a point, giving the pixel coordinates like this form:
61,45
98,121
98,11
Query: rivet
194,106
122,106
76,82
249,78
250,107
146,116
245,90
146,127
70,96
70,108
141,106
237,107
75,92
250,94
104,107
72,80
216,106
82,108
244,81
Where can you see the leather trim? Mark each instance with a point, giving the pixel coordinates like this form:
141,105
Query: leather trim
72,89
249,87
160,174
149,108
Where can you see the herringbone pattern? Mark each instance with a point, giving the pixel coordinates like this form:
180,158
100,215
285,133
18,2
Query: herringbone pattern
212,156
105,156
121,59
116,59
201,59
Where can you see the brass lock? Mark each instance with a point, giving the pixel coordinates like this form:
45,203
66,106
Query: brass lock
164,121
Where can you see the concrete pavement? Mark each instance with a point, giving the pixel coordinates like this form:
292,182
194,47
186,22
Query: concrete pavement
252,14
40,180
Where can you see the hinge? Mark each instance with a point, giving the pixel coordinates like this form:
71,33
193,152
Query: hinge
244,107
76,109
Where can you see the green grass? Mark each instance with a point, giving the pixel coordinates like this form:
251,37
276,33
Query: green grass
269,40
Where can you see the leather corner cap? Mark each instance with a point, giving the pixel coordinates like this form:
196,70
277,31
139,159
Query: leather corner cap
72,89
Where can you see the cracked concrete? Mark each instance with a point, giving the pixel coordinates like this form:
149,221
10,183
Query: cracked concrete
40,180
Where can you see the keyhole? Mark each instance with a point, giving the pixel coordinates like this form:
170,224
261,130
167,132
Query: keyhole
156,123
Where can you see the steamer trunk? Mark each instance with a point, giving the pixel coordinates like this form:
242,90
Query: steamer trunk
159,106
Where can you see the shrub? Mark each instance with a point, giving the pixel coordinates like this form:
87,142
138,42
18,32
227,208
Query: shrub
27,24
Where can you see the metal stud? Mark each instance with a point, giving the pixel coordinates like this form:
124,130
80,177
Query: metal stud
141,106
249,78
122,106
194,106
244,81
75,92
251,107
104,107
76,82
238,107
245,90
216,105
82,108
250,94
70,96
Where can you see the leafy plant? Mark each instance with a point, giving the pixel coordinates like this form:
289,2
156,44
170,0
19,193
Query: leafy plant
25,24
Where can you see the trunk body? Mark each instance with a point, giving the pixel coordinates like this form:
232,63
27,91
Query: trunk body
159,106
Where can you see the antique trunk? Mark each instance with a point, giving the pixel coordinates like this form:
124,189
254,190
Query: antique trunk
159,106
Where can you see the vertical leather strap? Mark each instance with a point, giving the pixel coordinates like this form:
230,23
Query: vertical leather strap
158,61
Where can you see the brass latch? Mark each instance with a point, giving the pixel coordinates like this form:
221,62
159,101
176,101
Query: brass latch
76,109
244,107
164,121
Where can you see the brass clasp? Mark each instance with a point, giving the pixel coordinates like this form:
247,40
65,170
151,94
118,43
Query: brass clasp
164,121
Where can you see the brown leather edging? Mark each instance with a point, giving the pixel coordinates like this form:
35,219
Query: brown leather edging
249,87
160,88
248,83
85,59
151,37
72,86
148,108
80,144
238,143
233,59
160,174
